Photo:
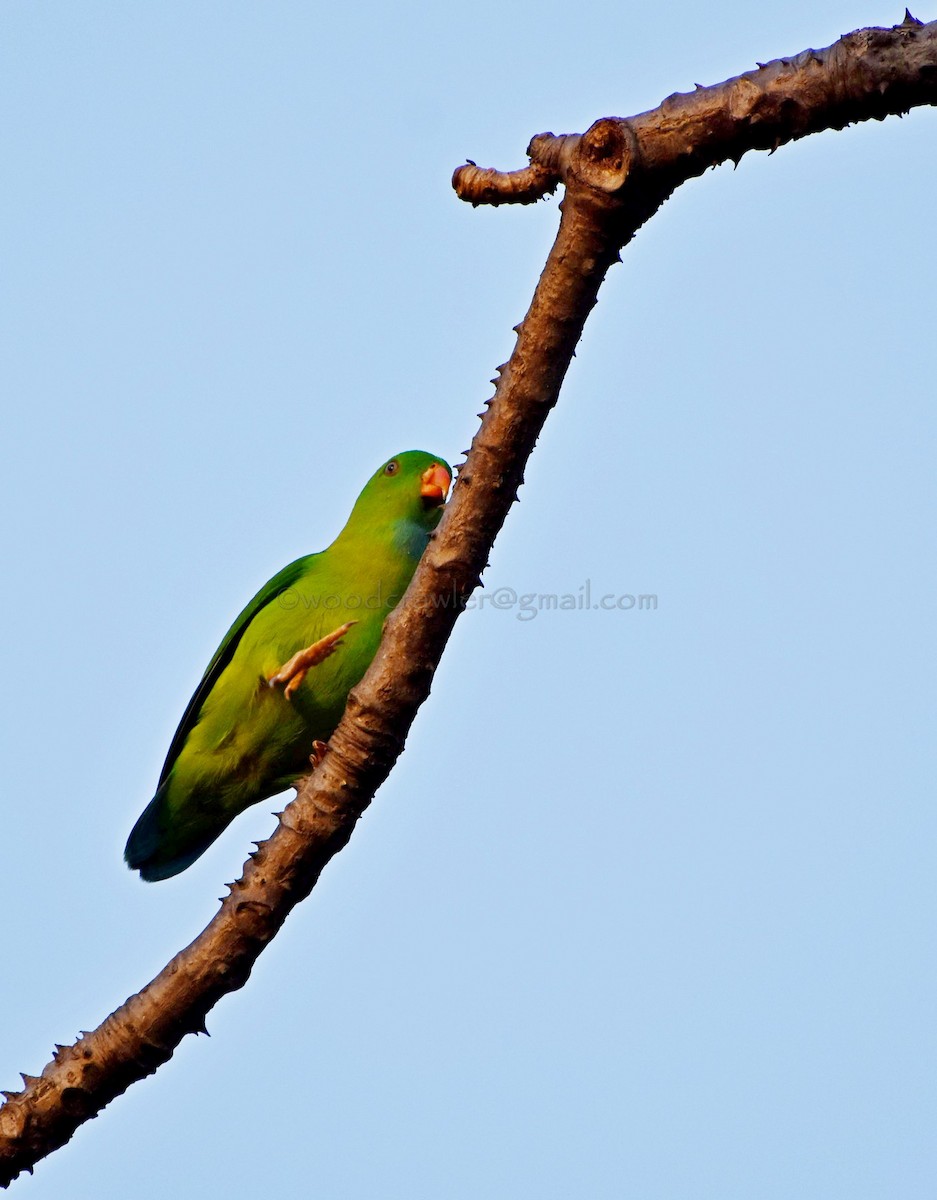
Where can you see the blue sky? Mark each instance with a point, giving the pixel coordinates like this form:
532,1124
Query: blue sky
647,908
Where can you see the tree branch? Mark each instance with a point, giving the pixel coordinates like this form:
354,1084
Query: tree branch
869,74
616,176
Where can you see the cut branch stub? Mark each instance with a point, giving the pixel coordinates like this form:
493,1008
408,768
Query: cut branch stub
606,155
869,74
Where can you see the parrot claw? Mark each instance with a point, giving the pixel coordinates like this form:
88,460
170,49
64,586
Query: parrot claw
318,752
292,673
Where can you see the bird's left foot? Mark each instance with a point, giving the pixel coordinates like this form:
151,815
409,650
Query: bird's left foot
292,673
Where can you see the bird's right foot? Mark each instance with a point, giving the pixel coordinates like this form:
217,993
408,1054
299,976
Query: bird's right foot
318,752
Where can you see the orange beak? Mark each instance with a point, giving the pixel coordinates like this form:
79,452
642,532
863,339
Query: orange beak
435,482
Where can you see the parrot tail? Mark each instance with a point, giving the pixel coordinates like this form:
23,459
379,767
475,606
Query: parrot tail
161,844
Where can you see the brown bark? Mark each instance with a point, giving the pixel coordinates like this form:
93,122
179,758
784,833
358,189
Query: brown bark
869,74
616,176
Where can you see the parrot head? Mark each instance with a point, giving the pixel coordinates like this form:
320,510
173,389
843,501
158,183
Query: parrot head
409,489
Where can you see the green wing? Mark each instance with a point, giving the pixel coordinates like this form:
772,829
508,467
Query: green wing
274,587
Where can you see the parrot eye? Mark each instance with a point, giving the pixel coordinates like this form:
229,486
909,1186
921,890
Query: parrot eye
391,468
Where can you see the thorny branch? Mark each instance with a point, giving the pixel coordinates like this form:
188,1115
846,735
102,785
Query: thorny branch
616,176
869,74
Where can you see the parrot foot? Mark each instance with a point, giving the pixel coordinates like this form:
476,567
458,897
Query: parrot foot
292,673
318,752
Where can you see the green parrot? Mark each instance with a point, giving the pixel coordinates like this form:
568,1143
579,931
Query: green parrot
277,685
